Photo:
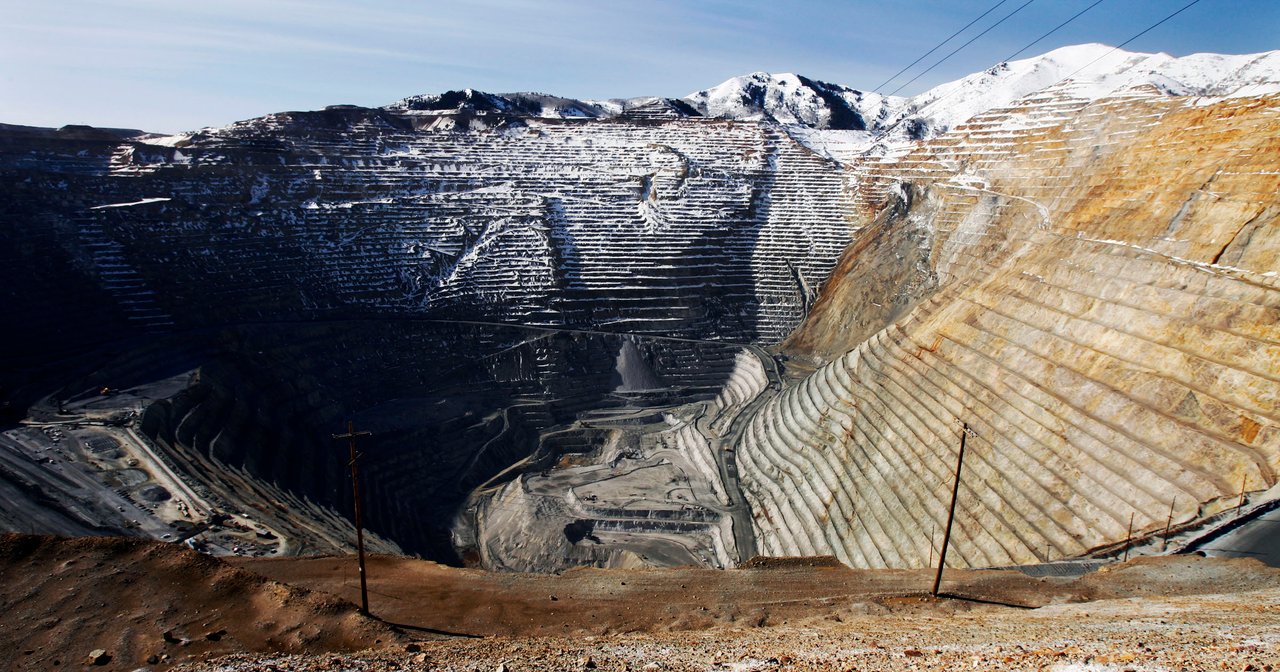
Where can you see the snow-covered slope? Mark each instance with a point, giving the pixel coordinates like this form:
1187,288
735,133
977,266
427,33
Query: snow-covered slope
794,100
1091,72
521,104
841,122
645,107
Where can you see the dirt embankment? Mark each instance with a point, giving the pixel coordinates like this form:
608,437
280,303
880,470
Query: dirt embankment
129,603
594,602
140,601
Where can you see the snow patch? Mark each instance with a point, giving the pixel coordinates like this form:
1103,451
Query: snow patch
1085,73
793,100
131,203
164,140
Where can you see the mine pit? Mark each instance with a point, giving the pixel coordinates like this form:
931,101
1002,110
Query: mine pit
653,372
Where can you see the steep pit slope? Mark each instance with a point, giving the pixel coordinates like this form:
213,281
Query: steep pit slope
450,407
263,241
1091,286
690,227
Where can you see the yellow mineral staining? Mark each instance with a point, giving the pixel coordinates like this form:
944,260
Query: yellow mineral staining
1090,286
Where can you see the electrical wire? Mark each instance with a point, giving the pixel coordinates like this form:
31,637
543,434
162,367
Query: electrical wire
971,41
1010,57
939,45
1086,65
1121,45
933,152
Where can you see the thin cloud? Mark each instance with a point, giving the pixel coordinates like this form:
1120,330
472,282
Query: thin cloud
167,64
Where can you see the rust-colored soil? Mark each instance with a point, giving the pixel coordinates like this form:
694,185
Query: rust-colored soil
64,598
429,596
61,599
599,602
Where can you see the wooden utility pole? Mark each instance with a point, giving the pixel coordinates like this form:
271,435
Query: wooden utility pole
1240,504
933,533
1168,524
1128,539
951,515
351,436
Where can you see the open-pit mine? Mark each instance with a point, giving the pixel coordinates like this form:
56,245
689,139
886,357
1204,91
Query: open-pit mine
659,332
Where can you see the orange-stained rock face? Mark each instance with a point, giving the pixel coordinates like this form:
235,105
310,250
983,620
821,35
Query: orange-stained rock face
1174,175
1090,286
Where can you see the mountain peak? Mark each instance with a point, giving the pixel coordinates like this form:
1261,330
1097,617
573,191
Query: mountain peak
1087,72
791,99
1083,71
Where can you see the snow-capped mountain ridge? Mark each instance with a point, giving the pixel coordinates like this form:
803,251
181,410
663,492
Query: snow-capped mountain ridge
1088,72
791,99
522,104
842,123
838,121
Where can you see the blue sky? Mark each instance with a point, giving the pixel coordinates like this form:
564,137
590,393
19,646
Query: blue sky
173,65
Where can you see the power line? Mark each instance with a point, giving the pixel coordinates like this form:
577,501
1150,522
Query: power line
1157,23
971,41
1055,29
1121,45
939,45
1081,68
933,151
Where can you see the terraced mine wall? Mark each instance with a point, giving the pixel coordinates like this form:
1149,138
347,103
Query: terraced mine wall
1090,286
48,279
449,407
257,246
684,227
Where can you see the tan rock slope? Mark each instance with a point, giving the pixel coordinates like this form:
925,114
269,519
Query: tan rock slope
1090,285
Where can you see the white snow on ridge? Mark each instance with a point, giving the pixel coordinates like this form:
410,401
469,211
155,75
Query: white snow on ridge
1091,72
837,145
131,203
164,140
842,123
948,105
790,100
1083,72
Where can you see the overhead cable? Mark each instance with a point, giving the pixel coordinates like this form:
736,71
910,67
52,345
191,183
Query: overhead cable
971,41
1121,45
938,46
1086,65
1010,57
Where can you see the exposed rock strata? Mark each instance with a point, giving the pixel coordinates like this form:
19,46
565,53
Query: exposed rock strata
266,232
1090,286
684,227
1086,278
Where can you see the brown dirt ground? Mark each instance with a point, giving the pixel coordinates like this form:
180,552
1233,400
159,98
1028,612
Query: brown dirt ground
1238,633
62,598
579,602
